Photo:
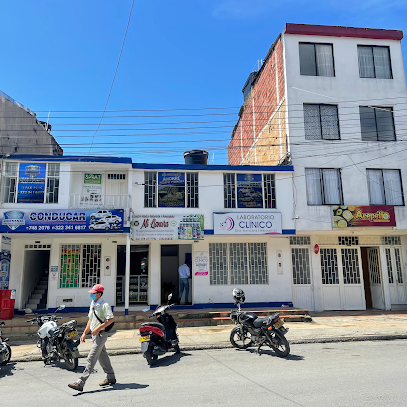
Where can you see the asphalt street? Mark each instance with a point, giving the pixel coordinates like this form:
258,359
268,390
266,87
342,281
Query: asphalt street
339,374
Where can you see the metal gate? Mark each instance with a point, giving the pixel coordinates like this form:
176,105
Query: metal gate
303,290
376,287
395,274
342,282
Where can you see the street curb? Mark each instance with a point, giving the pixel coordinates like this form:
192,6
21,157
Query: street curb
118,352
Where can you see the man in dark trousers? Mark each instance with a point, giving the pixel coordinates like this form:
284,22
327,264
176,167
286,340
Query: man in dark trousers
100,317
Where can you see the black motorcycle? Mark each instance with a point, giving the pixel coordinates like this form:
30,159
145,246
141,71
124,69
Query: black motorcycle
254,331
5,350
57,342
158,338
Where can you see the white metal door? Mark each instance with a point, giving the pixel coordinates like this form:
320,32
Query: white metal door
375,278
116,185
303,290
395,273
342,282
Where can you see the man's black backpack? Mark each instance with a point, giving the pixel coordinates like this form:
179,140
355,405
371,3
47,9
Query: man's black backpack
108,328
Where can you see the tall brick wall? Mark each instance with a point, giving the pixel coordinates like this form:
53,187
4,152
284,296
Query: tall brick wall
259,136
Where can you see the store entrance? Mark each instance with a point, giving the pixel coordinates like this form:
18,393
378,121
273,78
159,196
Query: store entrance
138,289
172,257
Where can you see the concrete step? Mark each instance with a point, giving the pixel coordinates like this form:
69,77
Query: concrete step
42,292
398,307
36,296
32,306
42,287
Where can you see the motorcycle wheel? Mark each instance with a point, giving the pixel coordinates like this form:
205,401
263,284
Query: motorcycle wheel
8,356
151,358
280,344
238,340
71,362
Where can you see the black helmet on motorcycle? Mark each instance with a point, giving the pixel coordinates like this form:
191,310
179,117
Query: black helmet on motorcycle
238,295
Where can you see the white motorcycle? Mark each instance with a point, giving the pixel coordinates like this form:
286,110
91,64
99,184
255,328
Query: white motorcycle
56,342
5,350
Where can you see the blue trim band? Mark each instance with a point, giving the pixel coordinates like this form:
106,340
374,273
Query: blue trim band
231,305
67,158
284,232
199,167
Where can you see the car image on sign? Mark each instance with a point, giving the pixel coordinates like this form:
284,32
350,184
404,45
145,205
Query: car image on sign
100,214
112,219
100,224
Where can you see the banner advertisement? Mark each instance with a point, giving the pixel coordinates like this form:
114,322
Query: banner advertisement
201,263
5,258
260,223
31,183
92,189
363,216
249,191
167,227
62,221
171,189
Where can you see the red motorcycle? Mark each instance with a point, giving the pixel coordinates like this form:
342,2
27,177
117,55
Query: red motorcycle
158,338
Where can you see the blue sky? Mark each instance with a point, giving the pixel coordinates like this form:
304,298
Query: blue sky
179,54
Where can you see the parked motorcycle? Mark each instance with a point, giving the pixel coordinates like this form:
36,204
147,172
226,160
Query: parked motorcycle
158,338
5,350
57,342
254,331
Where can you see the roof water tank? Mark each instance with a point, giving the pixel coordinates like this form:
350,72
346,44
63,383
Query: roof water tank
196,157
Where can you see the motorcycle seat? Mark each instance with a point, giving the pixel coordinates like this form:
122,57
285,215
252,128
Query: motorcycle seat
257,323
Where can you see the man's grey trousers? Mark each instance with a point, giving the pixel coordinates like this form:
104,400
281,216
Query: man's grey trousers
98,352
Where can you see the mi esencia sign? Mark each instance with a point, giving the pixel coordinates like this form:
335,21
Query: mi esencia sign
236,223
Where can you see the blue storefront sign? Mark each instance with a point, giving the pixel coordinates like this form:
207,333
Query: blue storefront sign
62,221
249,191
31,183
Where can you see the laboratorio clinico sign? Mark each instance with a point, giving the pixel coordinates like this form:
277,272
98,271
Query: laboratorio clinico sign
236,223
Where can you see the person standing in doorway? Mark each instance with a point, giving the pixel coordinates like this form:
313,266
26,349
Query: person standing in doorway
99,311
184,274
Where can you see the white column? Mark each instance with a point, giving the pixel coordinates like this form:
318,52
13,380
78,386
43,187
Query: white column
127,278
316,275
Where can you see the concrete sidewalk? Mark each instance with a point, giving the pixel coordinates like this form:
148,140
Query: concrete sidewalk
326,327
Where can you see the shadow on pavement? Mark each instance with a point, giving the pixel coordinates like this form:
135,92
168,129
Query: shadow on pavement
272,353
117,386
7,370
170,359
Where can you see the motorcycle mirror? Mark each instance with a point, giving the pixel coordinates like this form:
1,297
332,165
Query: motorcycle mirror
145,309
61,307
169,297
28,310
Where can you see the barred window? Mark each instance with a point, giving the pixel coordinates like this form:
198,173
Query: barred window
52,183
192,190
116,176
348,240
238,263
300,240
301,265
229,190
321,122
391,240
150,185
80,266
269,186
10,183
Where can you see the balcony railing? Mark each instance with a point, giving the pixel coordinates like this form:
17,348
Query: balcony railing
95,201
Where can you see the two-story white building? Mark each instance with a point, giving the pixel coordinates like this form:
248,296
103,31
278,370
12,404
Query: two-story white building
337,100
70,222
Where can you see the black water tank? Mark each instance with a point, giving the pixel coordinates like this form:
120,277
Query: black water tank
196,157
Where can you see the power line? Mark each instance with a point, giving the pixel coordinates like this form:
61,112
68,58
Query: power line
115,73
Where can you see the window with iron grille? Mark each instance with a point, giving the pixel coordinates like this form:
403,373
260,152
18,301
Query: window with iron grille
321,122
385,187
116,176
377,123
301,265
150,187
374,62
256,194
10,183
192,190
80,265
324,186
238,263
316,59
391,240
348,240
300,240
52,183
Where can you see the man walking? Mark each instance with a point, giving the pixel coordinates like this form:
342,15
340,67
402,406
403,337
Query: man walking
184,274
100,317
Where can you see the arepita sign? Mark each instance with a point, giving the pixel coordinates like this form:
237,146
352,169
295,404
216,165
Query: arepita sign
258,223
